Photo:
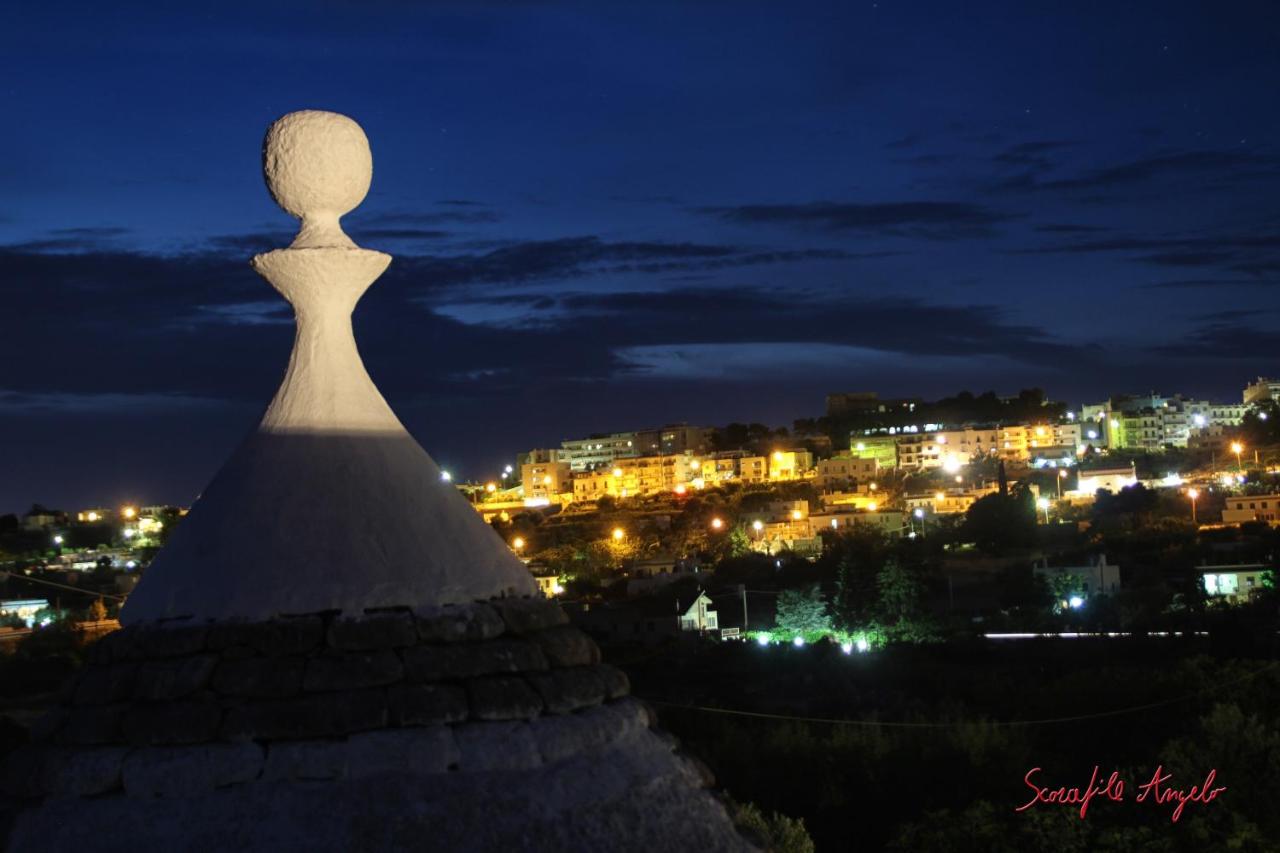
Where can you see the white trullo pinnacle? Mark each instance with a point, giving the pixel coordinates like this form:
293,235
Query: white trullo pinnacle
330,504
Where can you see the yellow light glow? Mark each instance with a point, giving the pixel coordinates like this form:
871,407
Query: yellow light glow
1193,493
546,480
717,523
517,543
939,496
91,516
128,512
873,487
757,525
617,472
873,506
1040,431
490,487
681,489
618,533
1237,448
695,464
796,515
777,456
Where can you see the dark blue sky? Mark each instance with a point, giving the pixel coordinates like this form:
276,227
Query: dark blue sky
610,215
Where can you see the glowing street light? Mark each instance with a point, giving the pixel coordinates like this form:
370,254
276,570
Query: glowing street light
1193,494
518,543
617,472
1043,503
796,515
57,540
618,534
919,513
1237,448
446,476
717,523
873,506
491,487
128,512
757,525
939,496
1062,475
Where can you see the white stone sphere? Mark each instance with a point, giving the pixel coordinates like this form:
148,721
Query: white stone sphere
316,163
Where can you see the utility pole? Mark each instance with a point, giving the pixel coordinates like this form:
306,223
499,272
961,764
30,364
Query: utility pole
743,587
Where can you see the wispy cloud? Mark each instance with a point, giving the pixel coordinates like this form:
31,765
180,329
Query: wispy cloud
937,220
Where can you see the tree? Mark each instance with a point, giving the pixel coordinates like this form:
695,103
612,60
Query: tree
803,611
996,523
900,605
97,610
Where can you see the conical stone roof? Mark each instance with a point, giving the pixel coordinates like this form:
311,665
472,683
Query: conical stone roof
334,652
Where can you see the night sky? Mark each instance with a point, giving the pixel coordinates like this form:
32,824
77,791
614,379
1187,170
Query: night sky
607,216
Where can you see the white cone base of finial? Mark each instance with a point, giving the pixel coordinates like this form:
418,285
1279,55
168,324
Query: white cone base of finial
304,523
331,504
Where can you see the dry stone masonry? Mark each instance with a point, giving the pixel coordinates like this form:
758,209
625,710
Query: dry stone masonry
328,697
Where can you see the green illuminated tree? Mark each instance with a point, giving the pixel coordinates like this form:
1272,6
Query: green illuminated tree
803,611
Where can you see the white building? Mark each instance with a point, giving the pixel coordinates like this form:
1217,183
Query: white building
1252,508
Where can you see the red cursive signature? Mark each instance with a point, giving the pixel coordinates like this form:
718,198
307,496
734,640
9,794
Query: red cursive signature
1113,790
1158,789
1198,794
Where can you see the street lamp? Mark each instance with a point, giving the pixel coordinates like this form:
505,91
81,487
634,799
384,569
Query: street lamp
1193,494
717,523
618,534
1237,448
1043,503
518,544
57,540
1062,475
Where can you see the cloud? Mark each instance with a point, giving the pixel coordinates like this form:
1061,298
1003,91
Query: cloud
1186,259
1255,254
80,239
56,403
1031,155
573,257
469,213
1217,164
1226,339
1057,228
1208,284
911,140
938,220
398,233
756,315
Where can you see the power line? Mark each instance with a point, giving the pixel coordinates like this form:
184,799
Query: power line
28,579
1133,709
